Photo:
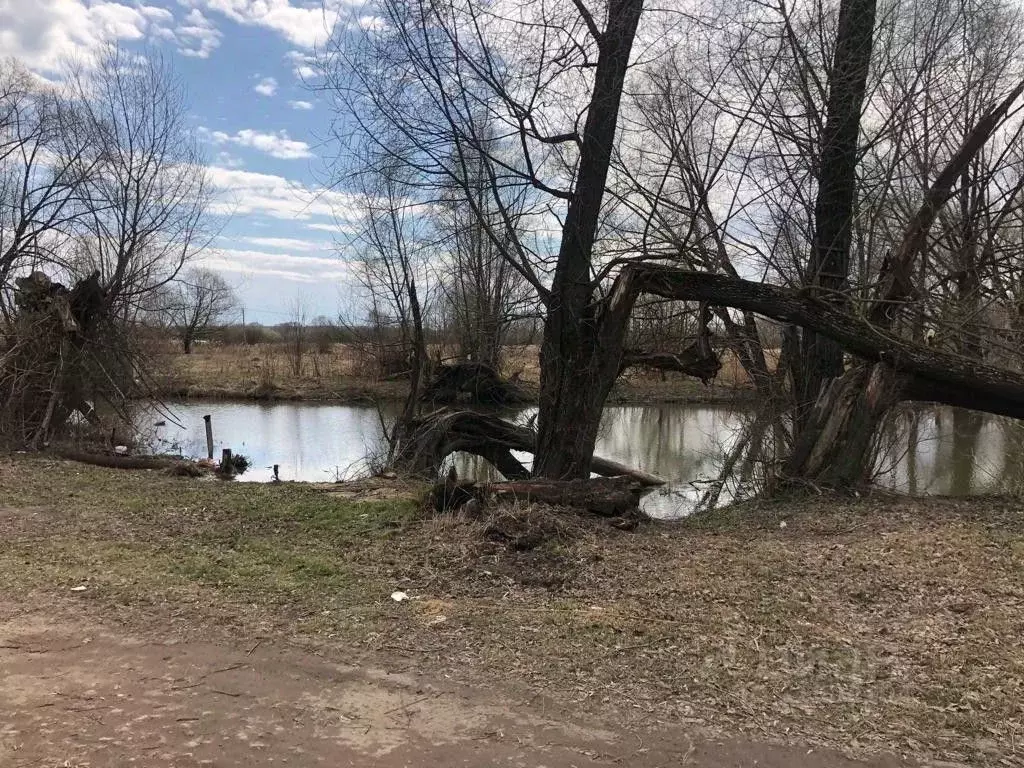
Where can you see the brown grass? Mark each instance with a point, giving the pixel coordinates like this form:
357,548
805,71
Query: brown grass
871,625
265,371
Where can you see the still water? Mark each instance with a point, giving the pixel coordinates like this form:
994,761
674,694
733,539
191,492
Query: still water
927,451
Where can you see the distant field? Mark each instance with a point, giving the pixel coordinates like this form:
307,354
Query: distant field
337,372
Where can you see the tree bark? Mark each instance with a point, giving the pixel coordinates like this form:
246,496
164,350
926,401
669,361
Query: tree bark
829,265
836,448
574,382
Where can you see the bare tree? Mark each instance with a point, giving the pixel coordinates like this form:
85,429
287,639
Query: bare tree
394,245
485,295
47,158
295,333
103,187
147,198
199,299
452,68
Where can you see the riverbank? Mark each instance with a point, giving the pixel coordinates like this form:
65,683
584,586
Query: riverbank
267,372
871,626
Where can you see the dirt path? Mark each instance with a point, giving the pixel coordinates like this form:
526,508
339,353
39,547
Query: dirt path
78,694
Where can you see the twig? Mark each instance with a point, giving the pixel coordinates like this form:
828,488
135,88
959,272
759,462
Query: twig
411,703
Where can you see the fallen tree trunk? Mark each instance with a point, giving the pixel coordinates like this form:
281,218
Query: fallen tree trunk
608,497
690,361
118,462
929,374
432,438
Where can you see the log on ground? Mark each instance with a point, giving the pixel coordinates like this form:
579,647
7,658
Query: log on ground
605,496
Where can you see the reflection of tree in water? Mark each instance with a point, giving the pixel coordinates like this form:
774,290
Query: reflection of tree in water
963,452
913,435
899,443
712,456
746,464
950,451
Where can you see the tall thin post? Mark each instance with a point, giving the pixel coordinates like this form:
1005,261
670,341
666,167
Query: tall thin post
209,437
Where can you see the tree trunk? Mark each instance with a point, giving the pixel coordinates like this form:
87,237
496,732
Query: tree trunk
829,267
574,378
836,448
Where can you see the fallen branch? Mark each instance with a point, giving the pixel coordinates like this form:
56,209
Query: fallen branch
118,462
604,496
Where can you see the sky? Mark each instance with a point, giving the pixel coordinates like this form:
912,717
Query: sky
246,65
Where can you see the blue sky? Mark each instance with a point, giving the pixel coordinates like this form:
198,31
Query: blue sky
246,65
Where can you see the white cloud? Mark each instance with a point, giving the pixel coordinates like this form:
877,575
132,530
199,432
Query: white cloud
246,192
288,243
302,65
44,32
371,23
274,144
303,269
196,35
300,104
227,160
266,87
305,26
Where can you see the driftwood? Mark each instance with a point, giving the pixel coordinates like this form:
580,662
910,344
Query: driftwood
472,382
692,361
605,496
119,462
432,438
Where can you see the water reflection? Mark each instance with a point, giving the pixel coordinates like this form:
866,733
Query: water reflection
923,451
311,442
947,451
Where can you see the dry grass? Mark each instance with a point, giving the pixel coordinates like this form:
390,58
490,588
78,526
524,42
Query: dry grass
873,625
266,371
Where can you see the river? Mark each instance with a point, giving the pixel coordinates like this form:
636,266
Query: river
928,451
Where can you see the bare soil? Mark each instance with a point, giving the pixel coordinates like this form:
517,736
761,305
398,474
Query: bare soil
78,693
